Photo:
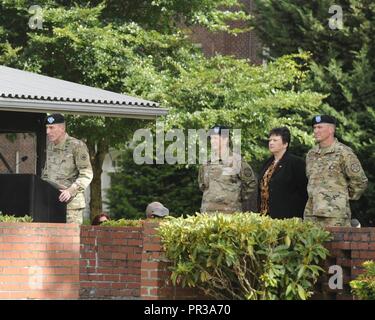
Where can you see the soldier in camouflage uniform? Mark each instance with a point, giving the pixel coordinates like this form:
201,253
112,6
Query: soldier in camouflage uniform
67,167
335,176
226,183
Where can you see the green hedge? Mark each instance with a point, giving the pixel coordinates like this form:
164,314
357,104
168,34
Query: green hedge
122,223
364,286
244,255
12,218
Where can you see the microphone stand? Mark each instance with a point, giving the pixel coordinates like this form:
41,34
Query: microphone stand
6,163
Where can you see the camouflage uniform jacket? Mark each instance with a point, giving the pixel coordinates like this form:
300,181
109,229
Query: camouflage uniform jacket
68,167
226,186
335,176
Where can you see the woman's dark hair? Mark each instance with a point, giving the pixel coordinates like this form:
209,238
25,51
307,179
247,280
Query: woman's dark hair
96,221
283,132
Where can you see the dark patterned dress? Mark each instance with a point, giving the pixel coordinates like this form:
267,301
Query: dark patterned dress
264,188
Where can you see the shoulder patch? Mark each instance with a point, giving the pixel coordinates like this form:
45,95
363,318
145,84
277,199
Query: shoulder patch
83,156
355,167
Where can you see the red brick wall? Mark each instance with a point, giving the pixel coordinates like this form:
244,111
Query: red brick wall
63,261
126,263
39,261
58,261
110,263
349,248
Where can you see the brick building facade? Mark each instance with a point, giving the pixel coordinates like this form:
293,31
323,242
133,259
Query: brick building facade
245,45
15,146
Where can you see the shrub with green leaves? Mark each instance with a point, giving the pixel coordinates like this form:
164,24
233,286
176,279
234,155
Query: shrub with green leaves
244,255
122,223
12,218
364,286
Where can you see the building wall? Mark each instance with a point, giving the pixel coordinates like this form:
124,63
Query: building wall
25,145
244,45
109,166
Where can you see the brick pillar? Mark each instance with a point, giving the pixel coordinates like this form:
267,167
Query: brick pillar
154,266
110,262
155,273
349,248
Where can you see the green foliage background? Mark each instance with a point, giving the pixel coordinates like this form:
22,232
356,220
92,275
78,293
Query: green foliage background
135,186
342,68
141,48
203,92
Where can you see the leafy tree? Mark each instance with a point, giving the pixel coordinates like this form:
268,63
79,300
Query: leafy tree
168,15
227,91
97,45
165,16
247,97
342,67
76,44
78,49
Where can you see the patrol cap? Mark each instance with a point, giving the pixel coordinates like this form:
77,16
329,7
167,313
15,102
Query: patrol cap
217,129
156,209
54,118
355,223
323,119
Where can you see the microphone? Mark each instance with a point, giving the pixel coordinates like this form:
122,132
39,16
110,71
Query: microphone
23,159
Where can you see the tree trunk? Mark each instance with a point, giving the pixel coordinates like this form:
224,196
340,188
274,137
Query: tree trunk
97,153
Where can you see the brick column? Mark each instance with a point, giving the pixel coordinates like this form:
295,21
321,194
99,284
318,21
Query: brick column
155,273
110,265
349,248
154,267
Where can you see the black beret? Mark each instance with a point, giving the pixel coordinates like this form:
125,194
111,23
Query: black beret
323,119
217,129
54,119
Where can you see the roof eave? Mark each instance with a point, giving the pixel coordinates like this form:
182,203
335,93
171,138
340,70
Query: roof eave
93,109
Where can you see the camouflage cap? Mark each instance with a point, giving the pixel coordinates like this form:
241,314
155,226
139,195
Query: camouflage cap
54,119
156,209
323,119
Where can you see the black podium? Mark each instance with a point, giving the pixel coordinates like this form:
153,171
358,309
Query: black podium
27,194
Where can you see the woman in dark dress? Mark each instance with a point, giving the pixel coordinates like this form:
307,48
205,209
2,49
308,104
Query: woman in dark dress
283,181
